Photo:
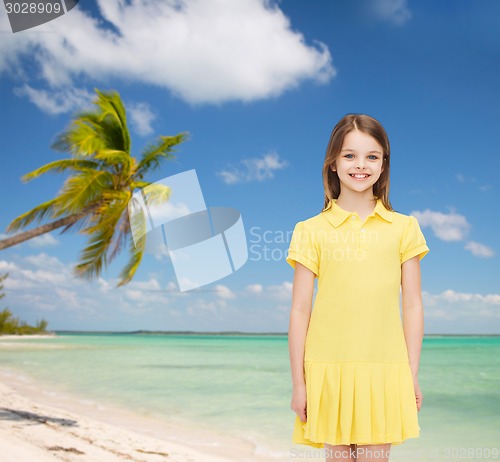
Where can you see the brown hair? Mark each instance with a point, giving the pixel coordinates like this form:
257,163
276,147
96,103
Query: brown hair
370,126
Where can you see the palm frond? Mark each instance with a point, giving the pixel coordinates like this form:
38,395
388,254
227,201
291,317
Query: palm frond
108,214
156,152
93,257
137,184
136,254
115,157
80,190
92,131
104,235
120,238
59,166
36,214
111,105
84,137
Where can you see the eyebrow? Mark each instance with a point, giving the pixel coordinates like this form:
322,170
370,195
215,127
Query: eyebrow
353,150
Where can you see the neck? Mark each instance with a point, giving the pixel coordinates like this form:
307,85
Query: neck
354,201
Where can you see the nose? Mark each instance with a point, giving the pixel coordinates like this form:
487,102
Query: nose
361,165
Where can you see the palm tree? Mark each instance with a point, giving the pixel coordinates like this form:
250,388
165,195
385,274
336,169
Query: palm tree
95,197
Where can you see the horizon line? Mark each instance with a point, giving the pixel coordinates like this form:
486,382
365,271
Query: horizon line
146,331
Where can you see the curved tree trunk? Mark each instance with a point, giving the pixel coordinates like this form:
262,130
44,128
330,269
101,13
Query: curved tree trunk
26,235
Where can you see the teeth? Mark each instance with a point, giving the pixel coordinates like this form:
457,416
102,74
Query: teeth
359,176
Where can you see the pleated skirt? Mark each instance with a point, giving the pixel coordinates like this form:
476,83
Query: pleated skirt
358,402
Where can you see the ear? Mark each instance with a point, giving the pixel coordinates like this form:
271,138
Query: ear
334,169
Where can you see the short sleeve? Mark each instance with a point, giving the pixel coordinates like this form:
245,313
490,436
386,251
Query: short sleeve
302,248
413,241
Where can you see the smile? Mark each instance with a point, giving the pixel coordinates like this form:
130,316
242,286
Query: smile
359,176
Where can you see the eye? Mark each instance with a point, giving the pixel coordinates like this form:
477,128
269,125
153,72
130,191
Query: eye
347,156
373,157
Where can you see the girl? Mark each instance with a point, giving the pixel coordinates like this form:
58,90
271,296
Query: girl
354,364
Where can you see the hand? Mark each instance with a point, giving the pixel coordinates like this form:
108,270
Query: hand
418,394
299,402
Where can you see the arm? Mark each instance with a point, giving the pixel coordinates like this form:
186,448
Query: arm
303,288
413,312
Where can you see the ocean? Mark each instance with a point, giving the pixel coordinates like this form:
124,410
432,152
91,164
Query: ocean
240,385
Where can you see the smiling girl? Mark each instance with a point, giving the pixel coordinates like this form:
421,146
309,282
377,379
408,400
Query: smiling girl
354,363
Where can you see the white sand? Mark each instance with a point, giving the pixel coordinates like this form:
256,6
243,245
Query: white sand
32,431
40,424
24,337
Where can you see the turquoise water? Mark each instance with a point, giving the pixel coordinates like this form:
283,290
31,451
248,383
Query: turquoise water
240,384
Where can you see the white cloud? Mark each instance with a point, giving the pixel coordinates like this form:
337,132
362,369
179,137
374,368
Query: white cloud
44,283
7,266
254,288
45,240
39,271
229,177
40,301
104,286
203,51
254,169
479,250
446,226
142,117
55,102
134,295
172,286
70,297
224,292
453,306
145,295
42,260
203,306
452,296
282,291
394,11
452,227
151,284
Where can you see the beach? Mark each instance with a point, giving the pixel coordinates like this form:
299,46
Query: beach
32,430
40,422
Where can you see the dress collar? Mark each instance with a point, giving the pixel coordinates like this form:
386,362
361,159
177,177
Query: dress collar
336,215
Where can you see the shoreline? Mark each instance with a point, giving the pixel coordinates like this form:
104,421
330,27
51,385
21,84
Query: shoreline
32,430
39,422
26,336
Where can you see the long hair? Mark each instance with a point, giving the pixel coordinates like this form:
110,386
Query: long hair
370,126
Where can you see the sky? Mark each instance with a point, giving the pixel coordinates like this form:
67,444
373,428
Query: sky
259,85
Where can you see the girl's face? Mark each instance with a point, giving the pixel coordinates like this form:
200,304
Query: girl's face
359,163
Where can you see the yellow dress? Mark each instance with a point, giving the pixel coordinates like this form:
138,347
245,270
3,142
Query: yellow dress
358,379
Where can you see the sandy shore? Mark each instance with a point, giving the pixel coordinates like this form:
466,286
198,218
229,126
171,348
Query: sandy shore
38,424
34,431
27,337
